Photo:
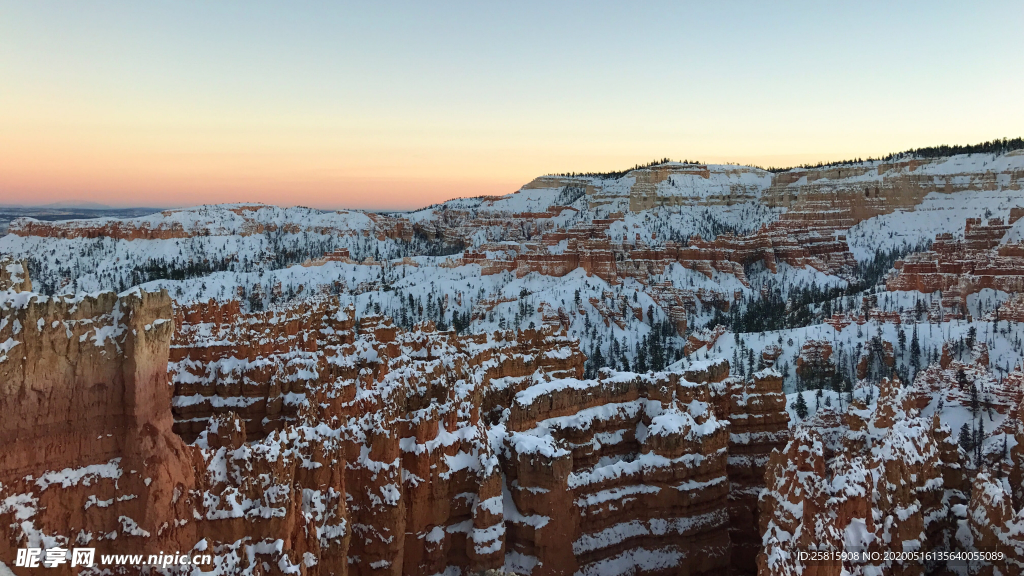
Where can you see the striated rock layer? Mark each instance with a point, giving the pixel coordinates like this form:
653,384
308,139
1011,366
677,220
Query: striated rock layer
959,268
838,197
756,409
89,458
625,473
588,247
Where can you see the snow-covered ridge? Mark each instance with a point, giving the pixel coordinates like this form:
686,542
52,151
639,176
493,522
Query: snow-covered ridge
212,220
942,166
670,184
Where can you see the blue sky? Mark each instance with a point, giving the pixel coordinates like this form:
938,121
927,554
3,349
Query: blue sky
400,104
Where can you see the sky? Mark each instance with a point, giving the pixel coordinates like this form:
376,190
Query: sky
398,105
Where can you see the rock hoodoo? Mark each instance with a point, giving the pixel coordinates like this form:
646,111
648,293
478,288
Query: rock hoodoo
413,451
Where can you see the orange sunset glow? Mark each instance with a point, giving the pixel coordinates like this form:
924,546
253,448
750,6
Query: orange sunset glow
334,107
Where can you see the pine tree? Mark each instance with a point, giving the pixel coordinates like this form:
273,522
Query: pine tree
598,358
979,441
915,350
961,379
641,356
801,406
1002,458
965,438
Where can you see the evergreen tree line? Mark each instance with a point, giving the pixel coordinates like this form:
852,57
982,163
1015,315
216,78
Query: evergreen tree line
660,347
195,258
806,305
569,194
991,147
997,146
615,175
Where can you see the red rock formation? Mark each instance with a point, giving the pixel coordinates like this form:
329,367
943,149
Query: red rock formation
998,395
642,462
814,364
588,247
118,230
789,507
837,197
381,459
1012,310
756,410
702,339
883,483
427,495
962,268
89,457
339,255
887,479
243,220
770,354
258,366
876,350
996,527
1017,457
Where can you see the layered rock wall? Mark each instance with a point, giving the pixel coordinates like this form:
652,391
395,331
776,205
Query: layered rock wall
84,393
838,197
597,255
961,268
623,474
756,410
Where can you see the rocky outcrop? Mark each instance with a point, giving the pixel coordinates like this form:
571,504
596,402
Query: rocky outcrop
89,458
996,527
659,479
756,409
883,486
814,365
263,366
1017,458
641,462
838,197
322,445
258,366
228,219
669,184
14,275
675,184
588,247
702,339
882,478
961,268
